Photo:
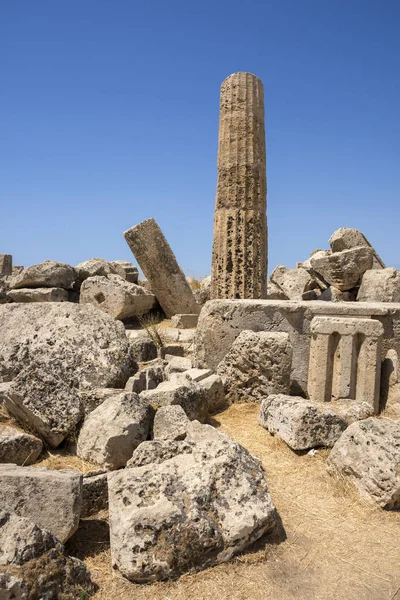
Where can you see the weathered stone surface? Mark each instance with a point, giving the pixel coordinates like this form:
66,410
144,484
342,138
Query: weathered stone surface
16,270
183,391
91,268
311,295
170,423
344,270
92,398
18,447
214,388
154,535
173,349
131,272
38,295
3,291
239,261
346,238
112,431
6,265
221,321
332,294
368,455
4,387
380,285
144,350
303,424
148,378
46,274
34,564
160,266
51,499
203,294
94,493
44,404
274,292
258,364
198,374
184,321
88,346
293,282
116,297
177,364
390,381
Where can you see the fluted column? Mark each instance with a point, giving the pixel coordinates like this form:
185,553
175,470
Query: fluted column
239,262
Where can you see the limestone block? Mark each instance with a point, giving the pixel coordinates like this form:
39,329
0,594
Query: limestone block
94,493
4,290
380,285
258,364
160,266
177,364
173,349
390,381
155,535
185,321
148,378
6,265
170,423
215,391
293,282
44,404
144,350
112,431
88,346
4,387
92,398
303,424
274,292
239,259
51,499
131,272
368,455
332,294
91,268
46,274
182,391
344,270
18,447
203,294
38,295
198,374
346,238
116,297
16,270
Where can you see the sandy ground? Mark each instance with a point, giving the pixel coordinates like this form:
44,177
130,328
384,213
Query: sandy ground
331,545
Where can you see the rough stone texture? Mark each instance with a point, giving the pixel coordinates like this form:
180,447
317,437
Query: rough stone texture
158,263
38,295
88,346
274,292
170,423
293,282
221,321
6,265
46,274
116,297
93,398
16,270
198,374
4,387
173,349
332,294
44,404
94,493
203,294
214,388
51,499
368,455
35,566
177,364
144,350
184,321
199,503
183,391
239,260
380,285
148,378
303,424
3,291
345,359
131,272
343,270
390,381
18,447
346,238
112,431
258,364
91,268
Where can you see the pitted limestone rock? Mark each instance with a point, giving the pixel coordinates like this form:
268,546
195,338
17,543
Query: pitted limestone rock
293,282
183,391
380,285
38,295
346,238
170,423
47,274
344,270
18,447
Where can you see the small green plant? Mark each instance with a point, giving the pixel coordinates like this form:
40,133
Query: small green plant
151,323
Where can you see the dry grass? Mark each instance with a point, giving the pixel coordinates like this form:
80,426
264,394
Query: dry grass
64,459
336,546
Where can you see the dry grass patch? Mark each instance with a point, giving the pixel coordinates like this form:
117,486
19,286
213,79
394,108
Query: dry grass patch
62,458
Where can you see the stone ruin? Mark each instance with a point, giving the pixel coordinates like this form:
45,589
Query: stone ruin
83,358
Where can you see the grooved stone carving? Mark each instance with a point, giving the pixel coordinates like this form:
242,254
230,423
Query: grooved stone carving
345,360
239,262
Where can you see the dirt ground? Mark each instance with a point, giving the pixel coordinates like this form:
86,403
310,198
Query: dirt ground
331,545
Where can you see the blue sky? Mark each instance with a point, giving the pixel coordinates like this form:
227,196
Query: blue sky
109,115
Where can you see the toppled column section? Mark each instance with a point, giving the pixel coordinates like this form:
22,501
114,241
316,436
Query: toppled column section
158,263
345,360
5,265
239,262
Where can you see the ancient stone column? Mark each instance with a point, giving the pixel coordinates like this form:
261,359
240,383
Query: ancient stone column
158,263
239,261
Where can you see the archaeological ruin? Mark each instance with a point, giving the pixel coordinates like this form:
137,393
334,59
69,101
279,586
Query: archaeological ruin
138,416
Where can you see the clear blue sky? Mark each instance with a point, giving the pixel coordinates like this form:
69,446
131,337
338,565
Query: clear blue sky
109,115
